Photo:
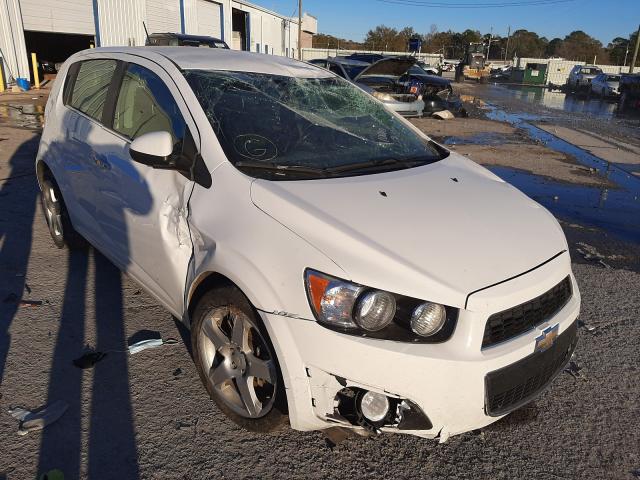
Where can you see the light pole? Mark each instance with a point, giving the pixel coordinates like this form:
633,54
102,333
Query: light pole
635,51
300,30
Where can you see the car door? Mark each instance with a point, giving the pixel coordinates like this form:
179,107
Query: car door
141,210
85,100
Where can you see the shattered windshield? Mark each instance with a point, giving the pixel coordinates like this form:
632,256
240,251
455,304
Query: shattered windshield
318,127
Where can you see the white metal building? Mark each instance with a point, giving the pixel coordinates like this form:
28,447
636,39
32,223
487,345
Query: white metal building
55,29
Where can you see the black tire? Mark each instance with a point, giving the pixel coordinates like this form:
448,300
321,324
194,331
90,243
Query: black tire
232,299
57,217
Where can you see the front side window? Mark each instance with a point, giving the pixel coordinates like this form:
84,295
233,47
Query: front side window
145,105
90,89
324,125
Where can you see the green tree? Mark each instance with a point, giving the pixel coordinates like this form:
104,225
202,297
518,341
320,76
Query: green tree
524,43
553,47
619,48
582,47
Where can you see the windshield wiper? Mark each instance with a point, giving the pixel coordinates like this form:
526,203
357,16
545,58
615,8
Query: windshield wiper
378,164
275,167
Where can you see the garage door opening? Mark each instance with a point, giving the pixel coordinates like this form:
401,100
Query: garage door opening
54,48
240,27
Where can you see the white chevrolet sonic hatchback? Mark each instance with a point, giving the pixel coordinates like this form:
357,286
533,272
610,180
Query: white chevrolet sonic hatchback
337,268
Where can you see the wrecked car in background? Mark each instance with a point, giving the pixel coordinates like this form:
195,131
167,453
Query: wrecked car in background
381,79
336,267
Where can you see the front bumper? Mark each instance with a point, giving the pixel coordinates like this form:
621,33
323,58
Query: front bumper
406,109
446,381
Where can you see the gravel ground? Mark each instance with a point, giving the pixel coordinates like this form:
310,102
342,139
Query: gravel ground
147,415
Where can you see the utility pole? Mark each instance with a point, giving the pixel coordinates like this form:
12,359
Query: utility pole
506,52
635,51
300,30
489,47
625,55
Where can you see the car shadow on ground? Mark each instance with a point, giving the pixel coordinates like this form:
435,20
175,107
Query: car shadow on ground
96,440
18,197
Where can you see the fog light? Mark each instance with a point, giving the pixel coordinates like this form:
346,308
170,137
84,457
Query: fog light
374,406
375,310
428,318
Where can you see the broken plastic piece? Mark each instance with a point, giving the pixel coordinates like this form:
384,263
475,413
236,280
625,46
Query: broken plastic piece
38,419
89,359
145,344
443,115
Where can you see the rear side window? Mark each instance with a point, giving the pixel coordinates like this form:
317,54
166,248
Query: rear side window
145,105
89,92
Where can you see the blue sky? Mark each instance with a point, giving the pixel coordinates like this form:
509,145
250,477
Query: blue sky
603,19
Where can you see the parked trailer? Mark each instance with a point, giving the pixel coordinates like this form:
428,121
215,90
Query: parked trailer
629,91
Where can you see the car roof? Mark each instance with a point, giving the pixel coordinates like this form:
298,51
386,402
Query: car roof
348,61
189,58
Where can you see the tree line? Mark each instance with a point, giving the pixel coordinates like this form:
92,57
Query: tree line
577,45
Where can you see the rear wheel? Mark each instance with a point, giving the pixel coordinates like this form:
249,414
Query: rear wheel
237,362
57,216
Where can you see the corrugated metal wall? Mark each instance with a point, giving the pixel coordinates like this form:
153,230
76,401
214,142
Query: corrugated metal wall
64,16
12,45
163,16
121,22
209,18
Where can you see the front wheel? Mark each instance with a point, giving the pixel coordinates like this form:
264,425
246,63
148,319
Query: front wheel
237,362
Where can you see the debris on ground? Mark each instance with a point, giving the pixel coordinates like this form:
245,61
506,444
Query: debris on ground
145,339
590,253
13,298
54,474
574,369
177,371
39,418
89,359
589,328
635,472
443,115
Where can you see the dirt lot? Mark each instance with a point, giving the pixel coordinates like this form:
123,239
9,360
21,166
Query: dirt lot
147,416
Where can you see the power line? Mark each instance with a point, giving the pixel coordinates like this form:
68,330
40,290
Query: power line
500,4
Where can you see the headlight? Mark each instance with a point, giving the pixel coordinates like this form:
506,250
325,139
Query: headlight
428,318
375,310
360,310
384,97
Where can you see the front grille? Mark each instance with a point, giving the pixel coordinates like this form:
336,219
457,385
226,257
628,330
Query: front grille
513,386
510,323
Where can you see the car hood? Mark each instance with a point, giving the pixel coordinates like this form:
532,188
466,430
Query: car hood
395,67
431,80
437,232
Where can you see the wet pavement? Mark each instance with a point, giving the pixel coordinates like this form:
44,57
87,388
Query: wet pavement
22,115
614,209
566,102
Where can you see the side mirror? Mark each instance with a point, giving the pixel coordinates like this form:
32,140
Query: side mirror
153,149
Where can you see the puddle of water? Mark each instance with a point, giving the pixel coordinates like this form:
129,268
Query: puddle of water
611,171
570,103
25,115
617,211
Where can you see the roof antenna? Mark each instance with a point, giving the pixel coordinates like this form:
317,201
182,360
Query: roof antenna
146,33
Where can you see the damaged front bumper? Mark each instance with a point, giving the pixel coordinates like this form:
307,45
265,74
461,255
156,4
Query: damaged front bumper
445,388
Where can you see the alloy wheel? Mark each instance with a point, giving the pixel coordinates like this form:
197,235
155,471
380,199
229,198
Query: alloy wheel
52,212
239,363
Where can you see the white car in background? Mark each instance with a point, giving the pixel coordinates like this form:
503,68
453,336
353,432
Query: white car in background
606,85
336,267
581,76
